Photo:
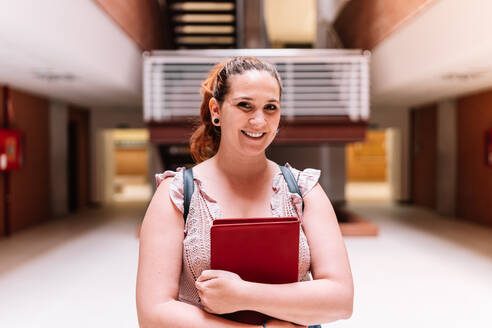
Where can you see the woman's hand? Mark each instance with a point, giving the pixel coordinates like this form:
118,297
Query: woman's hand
275,323
219,291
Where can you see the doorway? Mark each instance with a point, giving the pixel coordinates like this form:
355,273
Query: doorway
78,155
368,168
129,165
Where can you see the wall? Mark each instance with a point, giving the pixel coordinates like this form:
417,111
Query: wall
399,119
394,162
446,158
474,183
140,19
363,24
253,34
333,168
330,159
58,158
31,185
327,11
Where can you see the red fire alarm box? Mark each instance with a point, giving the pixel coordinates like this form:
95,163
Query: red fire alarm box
10,150
488,147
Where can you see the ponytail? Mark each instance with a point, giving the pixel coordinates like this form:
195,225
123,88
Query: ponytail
204,142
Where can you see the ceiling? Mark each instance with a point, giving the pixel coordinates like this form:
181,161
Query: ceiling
73,51
442,53
70,51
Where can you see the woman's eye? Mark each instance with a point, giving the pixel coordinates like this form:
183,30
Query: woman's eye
244,104
271,107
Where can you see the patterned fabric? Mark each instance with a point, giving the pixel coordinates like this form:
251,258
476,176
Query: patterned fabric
204,209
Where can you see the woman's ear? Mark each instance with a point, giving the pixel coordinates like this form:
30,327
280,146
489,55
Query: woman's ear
213,106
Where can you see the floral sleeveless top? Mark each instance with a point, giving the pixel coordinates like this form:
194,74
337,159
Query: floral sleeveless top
204,209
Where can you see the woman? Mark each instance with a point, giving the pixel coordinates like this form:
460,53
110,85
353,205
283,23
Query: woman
240,115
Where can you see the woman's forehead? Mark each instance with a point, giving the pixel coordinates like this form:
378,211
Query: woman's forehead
250,83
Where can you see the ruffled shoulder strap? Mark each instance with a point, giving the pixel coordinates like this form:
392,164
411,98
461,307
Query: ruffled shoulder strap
175,187
306,179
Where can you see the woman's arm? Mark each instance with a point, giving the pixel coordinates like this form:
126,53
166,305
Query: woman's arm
329,296
159,269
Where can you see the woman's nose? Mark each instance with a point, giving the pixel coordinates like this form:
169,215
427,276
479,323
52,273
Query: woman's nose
258,118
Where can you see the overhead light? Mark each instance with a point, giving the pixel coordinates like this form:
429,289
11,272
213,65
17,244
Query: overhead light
51,75
465,75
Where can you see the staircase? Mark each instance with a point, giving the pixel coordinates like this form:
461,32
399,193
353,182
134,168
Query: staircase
202,24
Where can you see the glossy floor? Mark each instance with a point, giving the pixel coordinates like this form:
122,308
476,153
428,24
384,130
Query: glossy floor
423,270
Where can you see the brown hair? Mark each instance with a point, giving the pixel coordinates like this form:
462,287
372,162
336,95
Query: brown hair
204,142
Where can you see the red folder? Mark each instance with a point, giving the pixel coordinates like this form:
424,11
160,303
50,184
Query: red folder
264,250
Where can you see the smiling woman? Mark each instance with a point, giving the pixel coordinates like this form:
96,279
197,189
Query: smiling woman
240,114
240,83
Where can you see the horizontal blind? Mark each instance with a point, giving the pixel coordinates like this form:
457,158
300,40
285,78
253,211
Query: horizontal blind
317,83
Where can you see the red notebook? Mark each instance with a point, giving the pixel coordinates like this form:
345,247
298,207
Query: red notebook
264,250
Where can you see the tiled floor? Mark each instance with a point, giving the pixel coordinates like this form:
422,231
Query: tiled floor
422,271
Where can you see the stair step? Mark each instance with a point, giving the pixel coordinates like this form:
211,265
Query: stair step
204,29
205,45
205,6
201,12
211,1
205,40
211,34
205,23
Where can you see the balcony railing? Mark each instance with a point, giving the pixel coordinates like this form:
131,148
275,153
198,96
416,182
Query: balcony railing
326,83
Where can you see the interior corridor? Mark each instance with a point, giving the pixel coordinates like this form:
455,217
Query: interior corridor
422,270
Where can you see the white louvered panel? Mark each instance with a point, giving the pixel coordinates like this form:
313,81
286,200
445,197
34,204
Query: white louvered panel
316,83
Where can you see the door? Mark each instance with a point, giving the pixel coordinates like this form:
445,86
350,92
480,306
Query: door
424,156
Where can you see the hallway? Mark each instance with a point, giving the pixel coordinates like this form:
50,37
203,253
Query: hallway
422,271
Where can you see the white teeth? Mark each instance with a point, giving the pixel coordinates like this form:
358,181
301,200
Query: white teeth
253,135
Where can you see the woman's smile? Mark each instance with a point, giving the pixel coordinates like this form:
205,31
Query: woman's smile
254,135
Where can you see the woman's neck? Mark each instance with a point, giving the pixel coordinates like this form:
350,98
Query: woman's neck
241,167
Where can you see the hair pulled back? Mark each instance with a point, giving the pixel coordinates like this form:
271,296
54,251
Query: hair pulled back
204,142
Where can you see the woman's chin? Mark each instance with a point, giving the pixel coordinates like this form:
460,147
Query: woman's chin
253,149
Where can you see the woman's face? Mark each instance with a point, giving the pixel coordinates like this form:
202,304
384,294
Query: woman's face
250,113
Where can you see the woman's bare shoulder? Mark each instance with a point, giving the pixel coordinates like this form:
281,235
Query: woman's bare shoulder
161,212
203,167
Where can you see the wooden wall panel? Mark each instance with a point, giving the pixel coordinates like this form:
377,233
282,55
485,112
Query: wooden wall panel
474,181
362,24
140,19
30,185
131,161
424,156
366,161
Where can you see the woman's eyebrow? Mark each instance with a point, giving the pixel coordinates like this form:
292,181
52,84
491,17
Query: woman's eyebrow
249,98
244,98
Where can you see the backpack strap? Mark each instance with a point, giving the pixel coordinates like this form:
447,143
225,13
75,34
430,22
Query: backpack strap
291,182
188,188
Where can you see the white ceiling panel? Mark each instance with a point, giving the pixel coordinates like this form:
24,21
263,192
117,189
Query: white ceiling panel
73,38
444,52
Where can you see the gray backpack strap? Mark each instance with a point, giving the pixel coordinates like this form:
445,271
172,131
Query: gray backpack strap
291,182
188,188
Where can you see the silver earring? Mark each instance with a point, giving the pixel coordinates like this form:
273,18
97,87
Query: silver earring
277,131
